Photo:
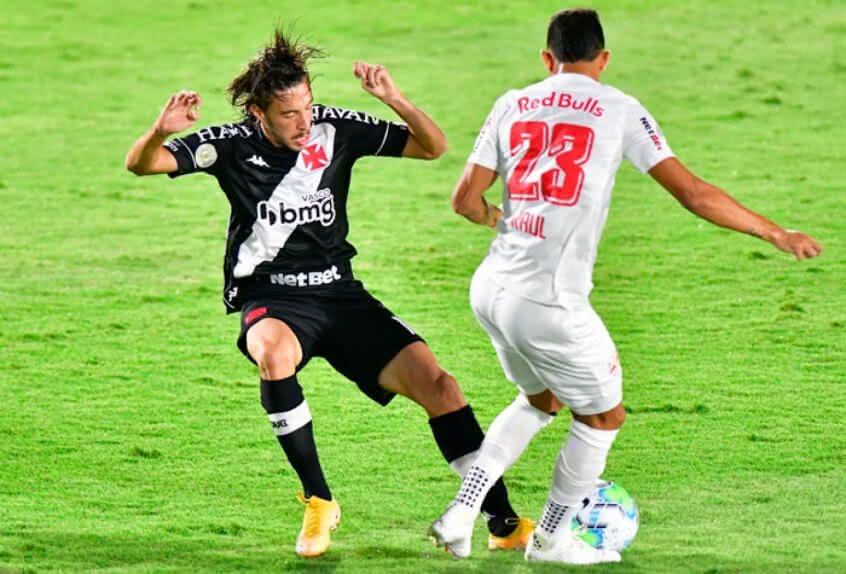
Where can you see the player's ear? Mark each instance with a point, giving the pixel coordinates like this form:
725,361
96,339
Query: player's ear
257,112
548,61
604,57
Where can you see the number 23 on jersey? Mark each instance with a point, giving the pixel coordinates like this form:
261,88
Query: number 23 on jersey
569,144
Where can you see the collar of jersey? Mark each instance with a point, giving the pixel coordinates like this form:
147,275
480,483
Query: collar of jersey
573,76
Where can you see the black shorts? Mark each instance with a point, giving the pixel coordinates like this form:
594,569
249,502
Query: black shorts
345,325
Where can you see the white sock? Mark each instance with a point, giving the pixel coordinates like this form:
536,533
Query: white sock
508,436
580,463
553,516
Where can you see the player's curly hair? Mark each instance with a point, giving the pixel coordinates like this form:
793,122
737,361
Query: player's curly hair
279,66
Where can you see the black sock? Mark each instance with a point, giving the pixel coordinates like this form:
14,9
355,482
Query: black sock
458,433
291,420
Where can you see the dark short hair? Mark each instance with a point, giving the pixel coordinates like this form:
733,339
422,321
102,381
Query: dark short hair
281,65
575,35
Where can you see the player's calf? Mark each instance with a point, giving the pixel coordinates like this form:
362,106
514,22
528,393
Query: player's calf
290,419
415,373
579,465
507,438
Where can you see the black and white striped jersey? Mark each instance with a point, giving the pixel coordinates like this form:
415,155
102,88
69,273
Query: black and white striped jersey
288,221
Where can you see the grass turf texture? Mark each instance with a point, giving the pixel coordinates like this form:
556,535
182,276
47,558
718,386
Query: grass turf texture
131,435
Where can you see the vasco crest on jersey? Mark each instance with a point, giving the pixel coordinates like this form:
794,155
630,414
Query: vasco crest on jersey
315,207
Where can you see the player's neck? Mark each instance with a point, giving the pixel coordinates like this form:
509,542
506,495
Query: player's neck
589,69
270,140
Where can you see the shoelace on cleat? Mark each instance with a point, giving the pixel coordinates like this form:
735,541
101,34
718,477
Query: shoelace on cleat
313,516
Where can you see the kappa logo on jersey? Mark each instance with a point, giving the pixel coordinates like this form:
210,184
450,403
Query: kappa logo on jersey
653,134
320,208
314,157
257,160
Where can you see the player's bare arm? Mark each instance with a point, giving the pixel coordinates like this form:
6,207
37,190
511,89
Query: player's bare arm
147,156
715,205
468,198
426,140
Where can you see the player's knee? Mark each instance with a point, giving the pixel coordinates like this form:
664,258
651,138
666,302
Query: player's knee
614,419
274,361
609,420
545,402
442,394
277,364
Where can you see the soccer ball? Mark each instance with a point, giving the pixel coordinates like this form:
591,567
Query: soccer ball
608,518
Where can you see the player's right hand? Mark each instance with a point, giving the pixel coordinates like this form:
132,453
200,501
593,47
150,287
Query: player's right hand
800,245
180,113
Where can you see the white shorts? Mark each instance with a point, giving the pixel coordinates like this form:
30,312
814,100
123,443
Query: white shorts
566,350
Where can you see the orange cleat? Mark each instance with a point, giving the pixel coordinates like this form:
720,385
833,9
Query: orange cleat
321,517
517,540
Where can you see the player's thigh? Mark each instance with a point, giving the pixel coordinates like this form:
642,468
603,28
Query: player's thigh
568,349
366,337
485,297
518,370
273,335
278,336
415,373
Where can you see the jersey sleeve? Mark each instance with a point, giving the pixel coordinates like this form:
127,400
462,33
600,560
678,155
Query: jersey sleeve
375,136
644,144
486,149
203,150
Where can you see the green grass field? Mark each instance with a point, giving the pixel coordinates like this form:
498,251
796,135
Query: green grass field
131,434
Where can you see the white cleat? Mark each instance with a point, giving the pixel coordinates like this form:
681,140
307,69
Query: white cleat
567,548
454,530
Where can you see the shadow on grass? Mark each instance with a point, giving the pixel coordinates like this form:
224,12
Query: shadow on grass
148,552
83,552
59,550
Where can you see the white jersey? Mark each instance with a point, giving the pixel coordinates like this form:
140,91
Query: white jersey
557,145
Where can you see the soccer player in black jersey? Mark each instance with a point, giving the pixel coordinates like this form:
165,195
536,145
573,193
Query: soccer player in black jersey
285,169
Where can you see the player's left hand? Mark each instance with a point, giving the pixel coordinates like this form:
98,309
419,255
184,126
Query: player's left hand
376,80
493,215
800,245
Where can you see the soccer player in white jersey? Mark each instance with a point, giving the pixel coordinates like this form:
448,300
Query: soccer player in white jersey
557,145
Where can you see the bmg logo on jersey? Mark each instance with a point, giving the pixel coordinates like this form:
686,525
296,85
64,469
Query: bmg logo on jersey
320,208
